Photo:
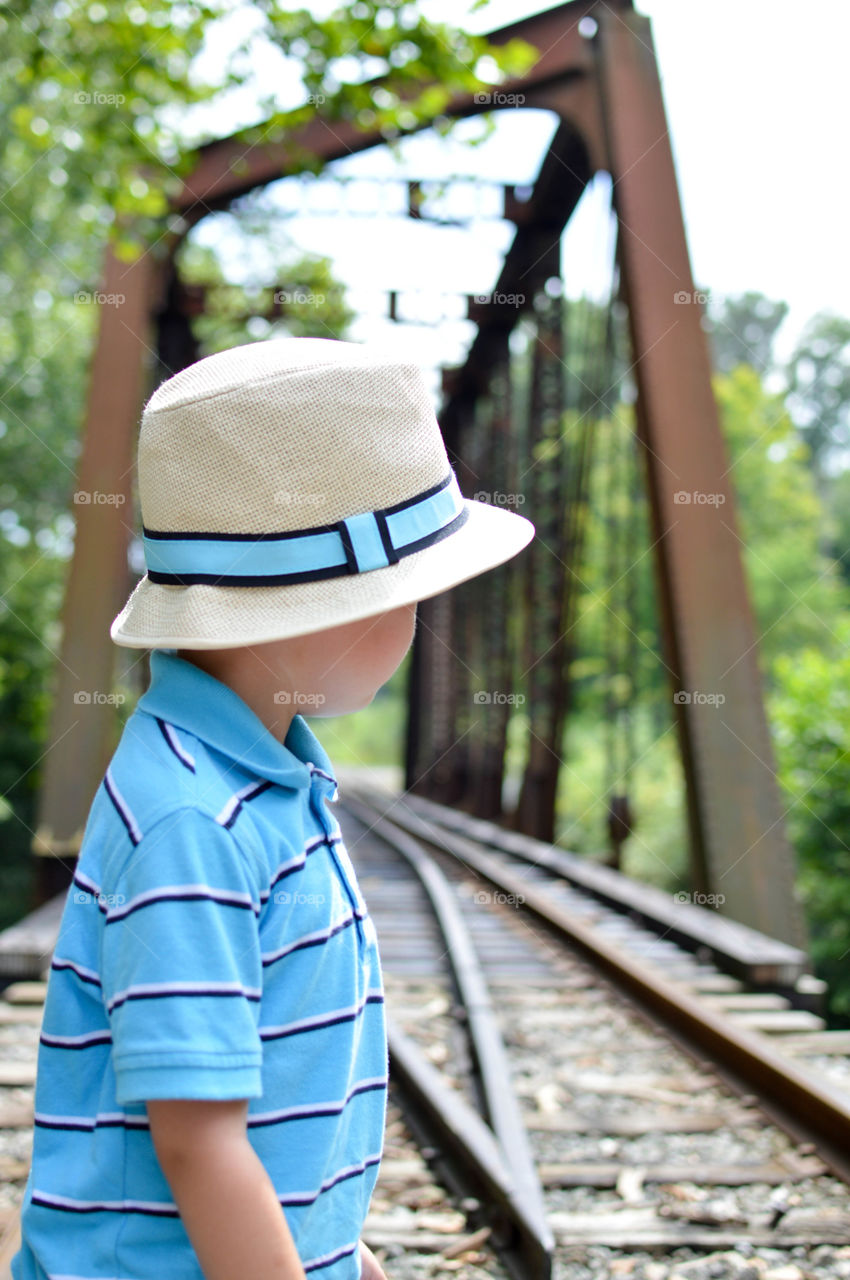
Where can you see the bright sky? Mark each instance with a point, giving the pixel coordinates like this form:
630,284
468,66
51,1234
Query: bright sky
757,103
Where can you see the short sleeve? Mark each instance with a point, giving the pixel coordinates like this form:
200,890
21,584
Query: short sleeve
181,966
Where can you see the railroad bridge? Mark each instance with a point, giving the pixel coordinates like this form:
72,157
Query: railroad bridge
610,1060
639,363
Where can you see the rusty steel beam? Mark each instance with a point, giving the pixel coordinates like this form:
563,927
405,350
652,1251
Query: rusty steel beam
740,845
231,167
83,725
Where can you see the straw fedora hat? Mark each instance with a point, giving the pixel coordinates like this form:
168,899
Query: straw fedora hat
292,485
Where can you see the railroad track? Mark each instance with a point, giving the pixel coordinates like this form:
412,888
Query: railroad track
546,1118
665,1130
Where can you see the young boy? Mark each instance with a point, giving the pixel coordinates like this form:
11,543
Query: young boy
212,1067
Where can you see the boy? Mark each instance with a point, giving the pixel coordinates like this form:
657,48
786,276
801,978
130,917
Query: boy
212,1066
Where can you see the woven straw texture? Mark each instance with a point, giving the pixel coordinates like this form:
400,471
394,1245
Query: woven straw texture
291,434
283,435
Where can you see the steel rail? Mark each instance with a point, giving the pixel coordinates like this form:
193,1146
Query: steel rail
800,1102
737,947
448,1120
501,1108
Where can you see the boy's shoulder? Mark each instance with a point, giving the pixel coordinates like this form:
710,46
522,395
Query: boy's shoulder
164,779
194,754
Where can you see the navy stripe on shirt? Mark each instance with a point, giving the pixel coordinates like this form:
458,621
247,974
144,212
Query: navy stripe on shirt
166,1209
260,1120
166,990
285,869
320,1020
327,1259
182,893
85,975
233,808
309,1110
122,808
295,864
175,744
313,939
331,1019
86,1041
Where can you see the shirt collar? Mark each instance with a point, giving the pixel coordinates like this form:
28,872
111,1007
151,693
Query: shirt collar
192,699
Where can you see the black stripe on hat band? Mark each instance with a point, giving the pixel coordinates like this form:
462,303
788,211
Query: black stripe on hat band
291,579
364,542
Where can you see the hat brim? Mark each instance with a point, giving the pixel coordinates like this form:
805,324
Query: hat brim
210,617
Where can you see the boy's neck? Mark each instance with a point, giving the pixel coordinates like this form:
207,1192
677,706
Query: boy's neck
243,671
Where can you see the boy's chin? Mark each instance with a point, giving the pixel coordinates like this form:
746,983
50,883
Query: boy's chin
341,706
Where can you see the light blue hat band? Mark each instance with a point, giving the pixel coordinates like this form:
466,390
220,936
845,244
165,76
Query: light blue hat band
357,544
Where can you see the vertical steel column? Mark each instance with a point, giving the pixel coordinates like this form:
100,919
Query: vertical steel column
498,587
82,725
547,572
740,846
432,750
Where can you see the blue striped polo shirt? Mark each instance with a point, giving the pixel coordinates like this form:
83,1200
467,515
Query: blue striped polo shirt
214,944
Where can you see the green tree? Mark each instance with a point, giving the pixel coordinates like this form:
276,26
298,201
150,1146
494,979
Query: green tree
796,593
818,376
838,531
741,330
811,715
